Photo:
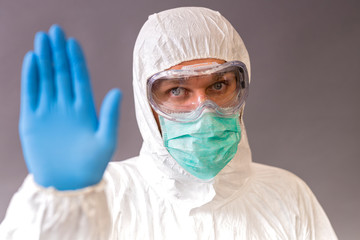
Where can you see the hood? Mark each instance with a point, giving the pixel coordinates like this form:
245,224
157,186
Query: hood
167,39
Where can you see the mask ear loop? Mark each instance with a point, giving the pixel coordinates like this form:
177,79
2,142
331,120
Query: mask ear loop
242,114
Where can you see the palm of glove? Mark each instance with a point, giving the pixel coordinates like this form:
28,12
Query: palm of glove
64,144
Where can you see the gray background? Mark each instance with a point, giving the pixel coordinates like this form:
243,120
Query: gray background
302,113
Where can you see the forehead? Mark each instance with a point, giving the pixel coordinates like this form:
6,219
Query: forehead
197,61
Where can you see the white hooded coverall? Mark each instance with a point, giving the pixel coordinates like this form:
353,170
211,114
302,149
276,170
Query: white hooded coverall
150,196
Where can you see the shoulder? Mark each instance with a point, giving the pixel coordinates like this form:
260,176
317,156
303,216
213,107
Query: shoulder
122,175
280,181
121,171
285,190
275,175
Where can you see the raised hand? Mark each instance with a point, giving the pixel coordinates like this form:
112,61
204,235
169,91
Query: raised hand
64,143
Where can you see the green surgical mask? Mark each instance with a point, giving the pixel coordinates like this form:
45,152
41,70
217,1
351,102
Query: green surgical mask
203,147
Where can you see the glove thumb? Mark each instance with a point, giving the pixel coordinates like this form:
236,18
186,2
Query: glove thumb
109,116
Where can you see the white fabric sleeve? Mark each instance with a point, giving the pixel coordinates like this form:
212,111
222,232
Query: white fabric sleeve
45,213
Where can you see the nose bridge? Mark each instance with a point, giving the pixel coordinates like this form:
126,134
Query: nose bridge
201,96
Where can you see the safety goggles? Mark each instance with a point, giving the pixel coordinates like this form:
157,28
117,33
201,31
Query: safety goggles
182,95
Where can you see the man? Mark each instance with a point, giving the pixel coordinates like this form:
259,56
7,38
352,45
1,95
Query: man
193,178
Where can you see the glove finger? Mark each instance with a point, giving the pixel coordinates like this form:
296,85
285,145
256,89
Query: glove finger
61,65
80,75
109,115
29,83
43,53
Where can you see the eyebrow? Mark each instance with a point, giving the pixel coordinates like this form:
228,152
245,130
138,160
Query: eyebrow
170,82
166,83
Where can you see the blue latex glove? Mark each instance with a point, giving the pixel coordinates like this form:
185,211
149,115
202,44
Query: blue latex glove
64,144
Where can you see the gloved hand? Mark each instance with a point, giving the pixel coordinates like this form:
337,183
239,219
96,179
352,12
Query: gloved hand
64,144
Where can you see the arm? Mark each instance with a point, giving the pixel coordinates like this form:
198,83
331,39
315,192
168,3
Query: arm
46,213
65,146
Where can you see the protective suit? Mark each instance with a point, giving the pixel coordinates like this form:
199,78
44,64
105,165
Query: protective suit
151,196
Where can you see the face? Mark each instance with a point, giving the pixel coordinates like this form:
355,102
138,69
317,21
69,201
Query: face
201,87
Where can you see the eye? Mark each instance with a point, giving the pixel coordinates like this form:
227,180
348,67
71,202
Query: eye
218,85
177,91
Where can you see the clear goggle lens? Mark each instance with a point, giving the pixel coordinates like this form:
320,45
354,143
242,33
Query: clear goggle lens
183,95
